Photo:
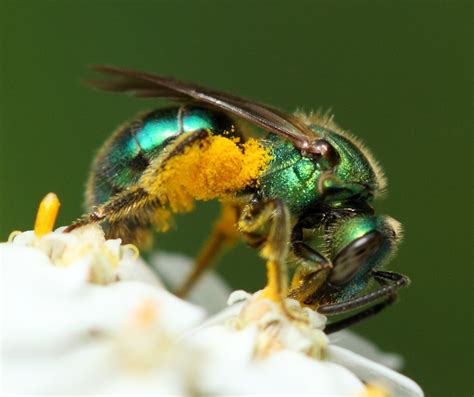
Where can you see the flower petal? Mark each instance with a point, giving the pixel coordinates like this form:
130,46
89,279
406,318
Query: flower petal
357,344
210,291
137,270
77,370
372,372
53,317
230,368
66,335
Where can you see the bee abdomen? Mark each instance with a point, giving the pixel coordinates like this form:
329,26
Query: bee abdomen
127,153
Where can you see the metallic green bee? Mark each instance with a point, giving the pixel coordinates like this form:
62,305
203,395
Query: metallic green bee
304,177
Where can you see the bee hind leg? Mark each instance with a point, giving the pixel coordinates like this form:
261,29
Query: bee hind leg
126,214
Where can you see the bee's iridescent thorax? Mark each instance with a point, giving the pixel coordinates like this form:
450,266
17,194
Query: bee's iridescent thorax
298,179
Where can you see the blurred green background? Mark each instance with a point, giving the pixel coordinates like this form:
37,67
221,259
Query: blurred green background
398,75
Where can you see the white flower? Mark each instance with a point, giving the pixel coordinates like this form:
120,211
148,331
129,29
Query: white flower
84,315
105,261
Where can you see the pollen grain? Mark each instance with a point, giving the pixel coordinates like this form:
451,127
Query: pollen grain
213,168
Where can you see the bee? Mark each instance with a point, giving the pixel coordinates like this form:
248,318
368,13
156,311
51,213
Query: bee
282,179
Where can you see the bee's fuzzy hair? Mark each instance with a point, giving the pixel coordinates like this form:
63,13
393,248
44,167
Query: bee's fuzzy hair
325,119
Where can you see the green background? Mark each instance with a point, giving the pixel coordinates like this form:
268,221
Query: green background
396,74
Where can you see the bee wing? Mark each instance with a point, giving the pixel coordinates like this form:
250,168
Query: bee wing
151,85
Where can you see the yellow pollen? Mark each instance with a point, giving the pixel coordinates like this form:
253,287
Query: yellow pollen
47,214
372,390
213,168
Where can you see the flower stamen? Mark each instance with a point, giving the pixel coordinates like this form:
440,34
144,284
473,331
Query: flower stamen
13,234
133,249
47,214
372,390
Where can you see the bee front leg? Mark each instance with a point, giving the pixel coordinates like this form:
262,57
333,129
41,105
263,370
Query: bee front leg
390,282
267,226
312,270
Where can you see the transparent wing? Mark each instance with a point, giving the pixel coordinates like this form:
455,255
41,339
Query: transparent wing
151,85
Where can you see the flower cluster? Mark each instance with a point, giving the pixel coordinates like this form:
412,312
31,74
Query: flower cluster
85,315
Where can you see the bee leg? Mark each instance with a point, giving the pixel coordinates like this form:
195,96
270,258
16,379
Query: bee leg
222,236
354,319
308,277
390,283
382,277
269,222
133,205
311,272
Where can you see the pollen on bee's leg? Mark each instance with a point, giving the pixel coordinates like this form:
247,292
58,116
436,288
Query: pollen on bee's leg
47,214
211,168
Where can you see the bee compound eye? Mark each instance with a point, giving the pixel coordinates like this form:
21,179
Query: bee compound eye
323,150
353,257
